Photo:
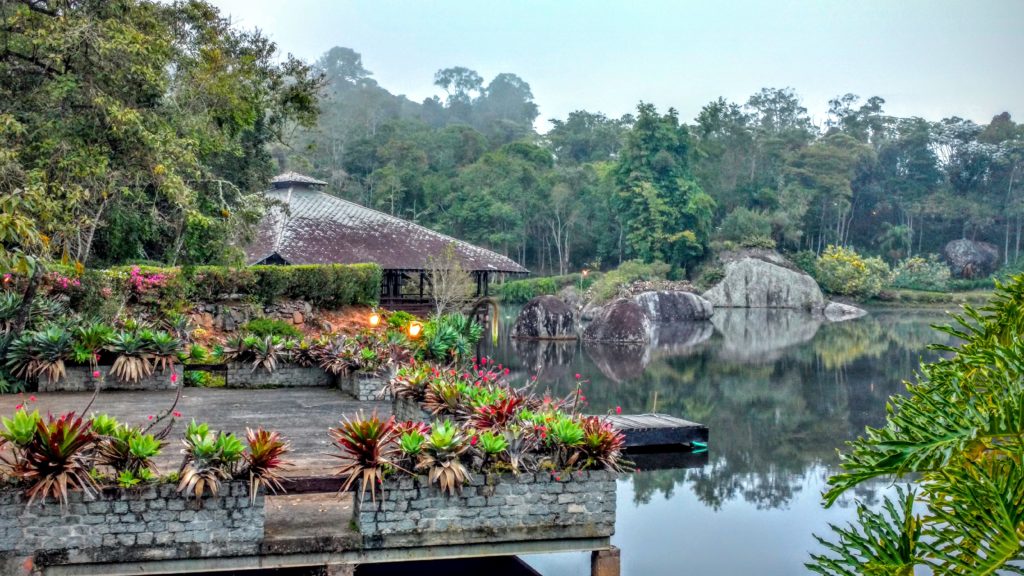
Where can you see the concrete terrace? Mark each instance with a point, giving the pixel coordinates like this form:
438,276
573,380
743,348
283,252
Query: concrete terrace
302,415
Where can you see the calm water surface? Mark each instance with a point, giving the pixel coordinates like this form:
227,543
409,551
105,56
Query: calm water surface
780,391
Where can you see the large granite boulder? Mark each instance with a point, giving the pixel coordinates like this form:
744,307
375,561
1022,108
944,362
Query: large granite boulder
970,258
664,307
622,320
837,312
545,318
765,281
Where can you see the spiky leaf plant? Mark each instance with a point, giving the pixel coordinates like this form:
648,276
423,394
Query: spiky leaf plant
264,460
209,458
602,444
368,448
441,457
133,360
164,349
58,459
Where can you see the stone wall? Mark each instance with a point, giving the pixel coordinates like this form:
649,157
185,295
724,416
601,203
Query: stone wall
79,379
235,311
366,387
284,376
152,523
406,410
494,508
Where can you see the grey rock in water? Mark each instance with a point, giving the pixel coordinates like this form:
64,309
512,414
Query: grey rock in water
971,258
765,282
622,320
664,307
761,335
836,312
545,318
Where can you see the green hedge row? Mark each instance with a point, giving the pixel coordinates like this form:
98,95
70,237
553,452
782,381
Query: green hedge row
327,286
521,291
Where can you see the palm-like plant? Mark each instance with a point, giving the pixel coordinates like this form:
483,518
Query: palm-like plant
58,458
961,431
133,361
164,349
264,459
441,457
368,447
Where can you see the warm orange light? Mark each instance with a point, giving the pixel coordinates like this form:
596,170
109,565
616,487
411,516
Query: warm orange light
414,329
585,272
374,319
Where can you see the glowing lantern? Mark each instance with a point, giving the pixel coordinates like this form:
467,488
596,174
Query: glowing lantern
374,319
414,329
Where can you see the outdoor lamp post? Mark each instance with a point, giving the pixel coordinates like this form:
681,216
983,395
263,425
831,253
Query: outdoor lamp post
583,275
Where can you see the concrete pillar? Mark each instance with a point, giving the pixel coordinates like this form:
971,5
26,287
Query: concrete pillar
605,562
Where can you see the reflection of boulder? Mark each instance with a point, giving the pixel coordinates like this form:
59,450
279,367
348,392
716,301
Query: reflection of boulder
970,258
762,334
619,362
680,337
765,281
545,358
545,318
836,312
669,307
620,321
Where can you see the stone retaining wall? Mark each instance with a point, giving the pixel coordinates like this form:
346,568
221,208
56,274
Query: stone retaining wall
366,387
494,508
406,410
284,376
152,523
79,379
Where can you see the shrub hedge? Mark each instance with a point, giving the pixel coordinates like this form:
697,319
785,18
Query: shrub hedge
520,291
328,286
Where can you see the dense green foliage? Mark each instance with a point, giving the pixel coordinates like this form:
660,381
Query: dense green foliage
264,327
139,129
520,291
652,186
844,272
608,285
959,433
919,273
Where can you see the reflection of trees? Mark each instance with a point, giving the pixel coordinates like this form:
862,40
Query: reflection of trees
773,421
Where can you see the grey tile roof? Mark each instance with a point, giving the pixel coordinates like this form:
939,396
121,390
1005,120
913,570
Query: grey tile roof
289,178
324,229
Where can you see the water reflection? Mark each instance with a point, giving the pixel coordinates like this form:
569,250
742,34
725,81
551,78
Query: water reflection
780,391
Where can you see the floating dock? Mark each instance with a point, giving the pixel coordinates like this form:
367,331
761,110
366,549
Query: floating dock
650,430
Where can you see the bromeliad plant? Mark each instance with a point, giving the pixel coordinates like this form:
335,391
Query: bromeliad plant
368,451
55,458
442,457
127,450
263,460
210,458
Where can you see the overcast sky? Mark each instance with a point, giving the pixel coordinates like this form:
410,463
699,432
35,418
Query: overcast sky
930,58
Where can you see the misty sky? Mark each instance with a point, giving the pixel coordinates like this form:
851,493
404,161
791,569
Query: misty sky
931,58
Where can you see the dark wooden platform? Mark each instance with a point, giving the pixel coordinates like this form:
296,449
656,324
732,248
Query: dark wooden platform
642,430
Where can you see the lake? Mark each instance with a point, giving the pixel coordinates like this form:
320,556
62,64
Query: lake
780,392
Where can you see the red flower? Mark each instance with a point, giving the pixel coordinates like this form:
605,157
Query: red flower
533,378
618,409
174,377
19,406
558,478
472,441
176,414
483,361
95,373
150,417
31,398
577,376
507,371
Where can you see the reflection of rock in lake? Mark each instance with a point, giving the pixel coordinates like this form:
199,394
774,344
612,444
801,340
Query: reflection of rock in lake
545,358
680,337
762,334
619,362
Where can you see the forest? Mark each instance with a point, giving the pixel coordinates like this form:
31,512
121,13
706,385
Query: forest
158,152
595,191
